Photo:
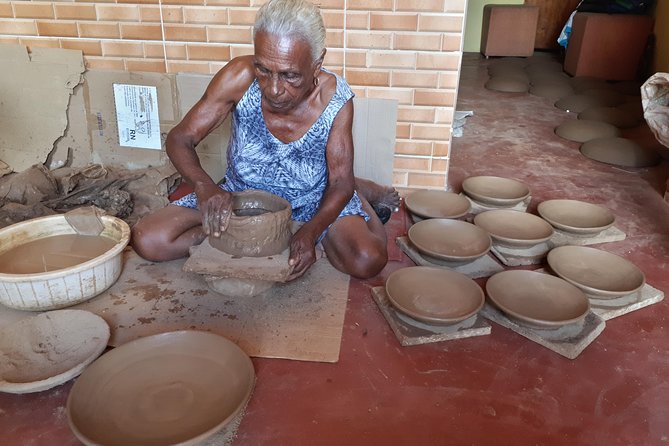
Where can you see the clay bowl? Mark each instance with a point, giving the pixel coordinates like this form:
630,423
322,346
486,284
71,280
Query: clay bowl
259,226
537,299
437,204
551,89
618,117
583,130
49,349
575,216
172,388
494,190
434,295
450,240
620,152
514,228
598,273
577,103
63,287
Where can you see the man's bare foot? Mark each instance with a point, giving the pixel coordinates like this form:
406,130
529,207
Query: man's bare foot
377,195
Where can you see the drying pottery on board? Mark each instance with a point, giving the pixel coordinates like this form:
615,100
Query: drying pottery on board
577,103
46,350
259,225
537,299
514,228
450,240
620,152
598,273
575,216
612,115
437,204
507,84
496,191
172,388
434,295
582,130
89,273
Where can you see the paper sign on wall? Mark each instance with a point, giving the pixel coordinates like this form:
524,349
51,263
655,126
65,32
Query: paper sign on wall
137,116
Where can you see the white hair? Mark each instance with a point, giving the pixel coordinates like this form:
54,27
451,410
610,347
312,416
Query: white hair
293,18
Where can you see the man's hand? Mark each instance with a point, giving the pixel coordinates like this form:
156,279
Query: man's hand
216,207
302,253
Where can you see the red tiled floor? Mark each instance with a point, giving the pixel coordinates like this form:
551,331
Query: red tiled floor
499,389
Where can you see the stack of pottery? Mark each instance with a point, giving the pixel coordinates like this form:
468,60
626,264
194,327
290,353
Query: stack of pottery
493,191
425,204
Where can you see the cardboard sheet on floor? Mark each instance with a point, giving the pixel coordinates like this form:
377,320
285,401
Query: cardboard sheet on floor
300,320
36,90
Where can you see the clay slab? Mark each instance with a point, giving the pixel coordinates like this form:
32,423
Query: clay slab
484,266
411,332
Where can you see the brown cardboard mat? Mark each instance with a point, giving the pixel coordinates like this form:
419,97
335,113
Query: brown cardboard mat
301,320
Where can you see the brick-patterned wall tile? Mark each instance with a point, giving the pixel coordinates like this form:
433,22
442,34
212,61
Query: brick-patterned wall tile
371,5
57,28
122,49
88,47
420,79
403,130
456,6
153,65
440,148
184,2
393,21
209,52
137,1
451,42
400,179
170,14
240,50
230,3
173,50
391,59
411,164
417,41
188,67
440,22
416,114
206,15
229,34
6,10
103,63
33,10
102,30
426,180
442,98
10,40
354,58
242,16
439,166
368,39
42,43
432,132
357,76
141,31
444,115
17,27
323,4
438,61
334,38
75,11
186,33
448,79
120,13
354,19
420,5
401,95
413,147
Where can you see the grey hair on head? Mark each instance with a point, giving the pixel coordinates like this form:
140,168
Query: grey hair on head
289,18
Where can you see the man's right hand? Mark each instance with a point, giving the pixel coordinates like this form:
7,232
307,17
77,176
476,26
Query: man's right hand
216,207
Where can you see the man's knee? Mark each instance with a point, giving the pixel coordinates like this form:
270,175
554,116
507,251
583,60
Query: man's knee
368,261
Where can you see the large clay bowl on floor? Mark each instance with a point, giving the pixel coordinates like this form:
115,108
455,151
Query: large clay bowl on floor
514,228
620,152
578,217
551,89
507,84
434,295
496,191
596,272
537,299
48,349
450,240
577,103
582,130
62,287
612,115
259,226
437,204
172,388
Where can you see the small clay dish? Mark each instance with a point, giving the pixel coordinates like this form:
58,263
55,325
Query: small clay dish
437,204
514,228
259,226
450,240
494,190
46,350
582,130
434,295
578,217
598,273
537,299
172,388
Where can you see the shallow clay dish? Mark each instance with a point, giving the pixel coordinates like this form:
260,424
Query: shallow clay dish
434,295
507,84
494,190
575,216
537,299
620,152
514,228
596,272
173,388
450,240
46,350
437,204
582,130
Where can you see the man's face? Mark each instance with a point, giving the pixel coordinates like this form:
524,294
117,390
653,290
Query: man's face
284,70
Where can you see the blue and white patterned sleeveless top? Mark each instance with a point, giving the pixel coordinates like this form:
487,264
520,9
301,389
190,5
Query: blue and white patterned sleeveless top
296,171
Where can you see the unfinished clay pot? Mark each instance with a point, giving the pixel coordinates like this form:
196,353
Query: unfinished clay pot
259,226
437,204
514,228
620,152
450,240
582,130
